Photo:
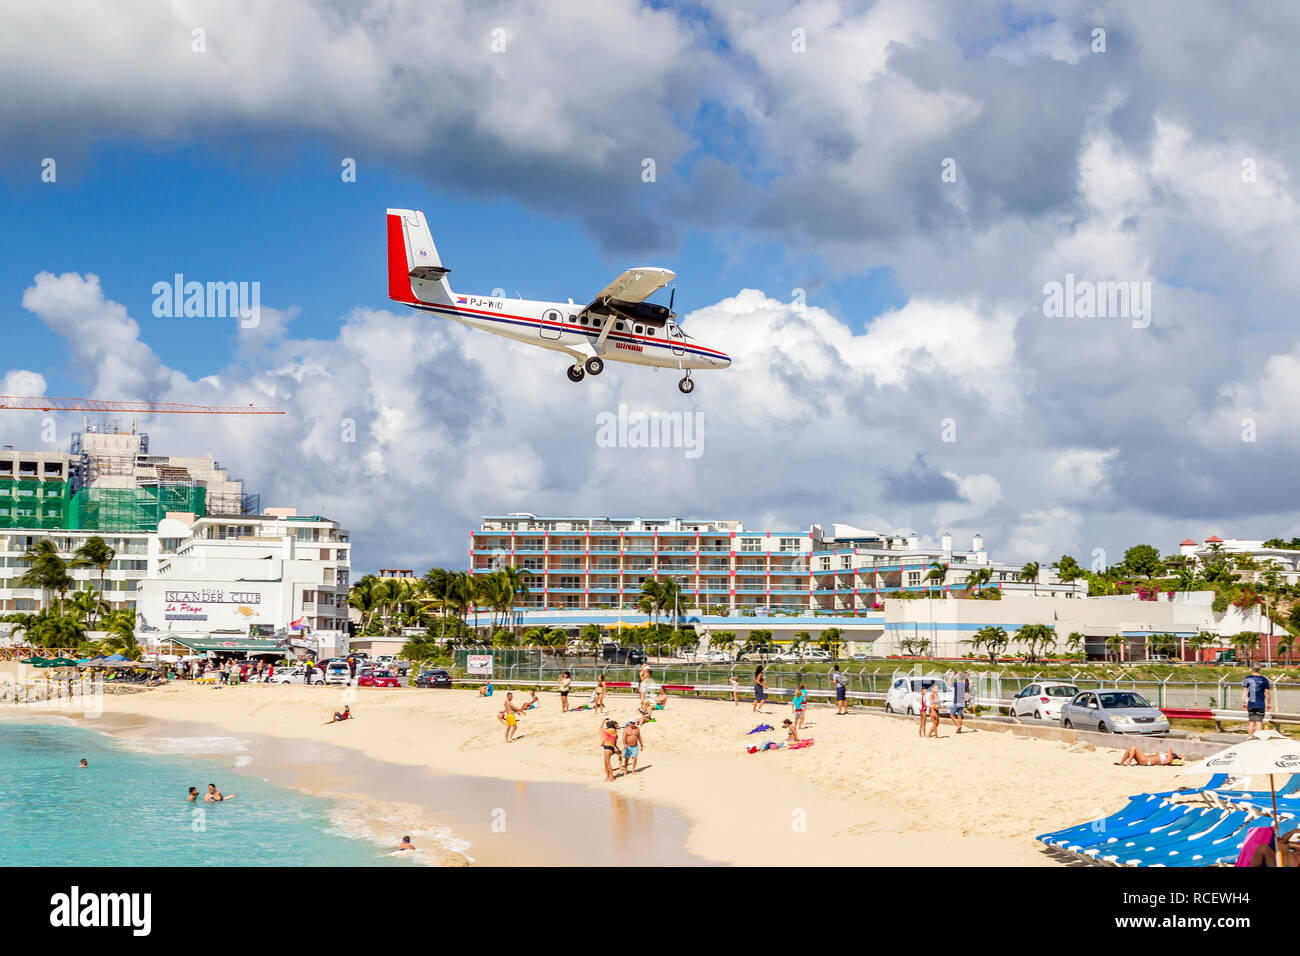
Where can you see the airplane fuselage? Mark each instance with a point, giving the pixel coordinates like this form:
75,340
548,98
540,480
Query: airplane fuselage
562,327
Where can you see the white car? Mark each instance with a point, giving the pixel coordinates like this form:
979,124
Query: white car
1043,700
813,655
904,694
338,672
716,657
288,675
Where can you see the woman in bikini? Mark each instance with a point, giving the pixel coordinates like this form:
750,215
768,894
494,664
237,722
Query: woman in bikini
932,711
920,731
608,742
1134,757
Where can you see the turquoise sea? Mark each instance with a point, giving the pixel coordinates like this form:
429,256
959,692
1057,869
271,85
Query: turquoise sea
128,808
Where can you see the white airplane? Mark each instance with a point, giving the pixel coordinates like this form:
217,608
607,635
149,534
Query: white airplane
618,324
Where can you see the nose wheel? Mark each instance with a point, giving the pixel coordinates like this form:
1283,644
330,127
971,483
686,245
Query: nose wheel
576,374
595,365
686,386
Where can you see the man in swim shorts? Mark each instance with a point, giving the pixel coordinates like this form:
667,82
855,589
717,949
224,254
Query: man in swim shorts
632,744
510,715
841,691
957,712
1256,697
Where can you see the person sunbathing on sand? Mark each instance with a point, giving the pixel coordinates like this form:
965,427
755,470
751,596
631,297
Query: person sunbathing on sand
344,714
1134,757
485,690
215,796
644,709
661,698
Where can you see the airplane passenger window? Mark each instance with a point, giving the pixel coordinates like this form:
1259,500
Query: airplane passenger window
639,330
649,331
619,326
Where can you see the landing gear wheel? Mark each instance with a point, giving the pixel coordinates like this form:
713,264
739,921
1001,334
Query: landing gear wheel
576,374
595,365
686,386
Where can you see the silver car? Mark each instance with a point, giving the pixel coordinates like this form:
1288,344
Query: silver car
1113,712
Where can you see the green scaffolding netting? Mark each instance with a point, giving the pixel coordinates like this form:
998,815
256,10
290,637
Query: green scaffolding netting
52,505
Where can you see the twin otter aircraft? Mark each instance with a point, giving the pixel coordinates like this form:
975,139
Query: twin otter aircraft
618,324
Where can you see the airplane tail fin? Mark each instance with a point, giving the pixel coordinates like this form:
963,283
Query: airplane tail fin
415,272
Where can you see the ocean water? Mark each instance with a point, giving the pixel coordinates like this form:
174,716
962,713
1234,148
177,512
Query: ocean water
128,807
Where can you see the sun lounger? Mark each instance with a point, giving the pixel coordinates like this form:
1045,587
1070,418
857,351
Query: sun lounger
1167,814
1184,816
1199,839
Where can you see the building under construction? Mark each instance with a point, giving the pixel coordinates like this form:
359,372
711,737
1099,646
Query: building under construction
109,481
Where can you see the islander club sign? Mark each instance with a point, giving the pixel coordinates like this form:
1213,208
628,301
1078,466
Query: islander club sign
193,605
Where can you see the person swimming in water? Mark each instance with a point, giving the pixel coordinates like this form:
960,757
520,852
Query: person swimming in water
216,796
194,795
83,762
406,844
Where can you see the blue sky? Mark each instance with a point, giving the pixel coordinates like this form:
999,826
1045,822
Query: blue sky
136,215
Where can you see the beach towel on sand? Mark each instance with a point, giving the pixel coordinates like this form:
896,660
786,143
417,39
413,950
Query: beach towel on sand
761,728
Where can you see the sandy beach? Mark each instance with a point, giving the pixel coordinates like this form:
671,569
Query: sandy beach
868,792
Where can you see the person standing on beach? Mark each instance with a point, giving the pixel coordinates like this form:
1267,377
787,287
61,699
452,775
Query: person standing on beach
735,690
608,746
566,682
644,679
510,715
920,731
958,710
760,689
934,709
841,691
1256,699
632,744
598,696
798,703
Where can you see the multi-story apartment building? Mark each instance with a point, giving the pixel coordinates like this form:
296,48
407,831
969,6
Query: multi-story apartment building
594,563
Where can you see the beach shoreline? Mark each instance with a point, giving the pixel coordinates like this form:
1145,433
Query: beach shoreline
870,792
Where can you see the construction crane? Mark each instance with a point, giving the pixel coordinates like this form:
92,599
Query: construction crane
40,403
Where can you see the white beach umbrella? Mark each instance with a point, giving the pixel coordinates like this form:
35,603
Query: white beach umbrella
1263,752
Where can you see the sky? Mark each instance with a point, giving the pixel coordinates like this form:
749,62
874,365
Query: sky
866,205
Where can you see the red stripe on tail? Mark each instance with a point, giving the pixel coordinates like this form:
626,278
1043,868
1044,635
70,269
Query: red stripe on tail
399,278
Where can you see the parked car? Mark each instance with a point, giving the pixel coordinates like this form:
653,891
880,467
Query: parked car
612,653
808,655
433,678
378,678
1113,712
288,675
338,672
904,694
1043,701
716,657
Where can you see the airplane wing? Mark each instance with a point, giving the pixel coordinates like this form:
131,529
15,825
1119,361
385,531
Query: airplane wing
634,285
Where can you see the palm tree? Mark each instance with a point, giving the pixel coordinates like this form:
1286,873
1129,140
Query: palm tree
830,641
977,579
938,573
1246,641
1188,579
362,597
120,625
1115,643
993,639
1035,636
46,570
1029,573
798,639
1076,644
669,597
96,553
1284,645
650,600
1067,569
87,606
516,578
